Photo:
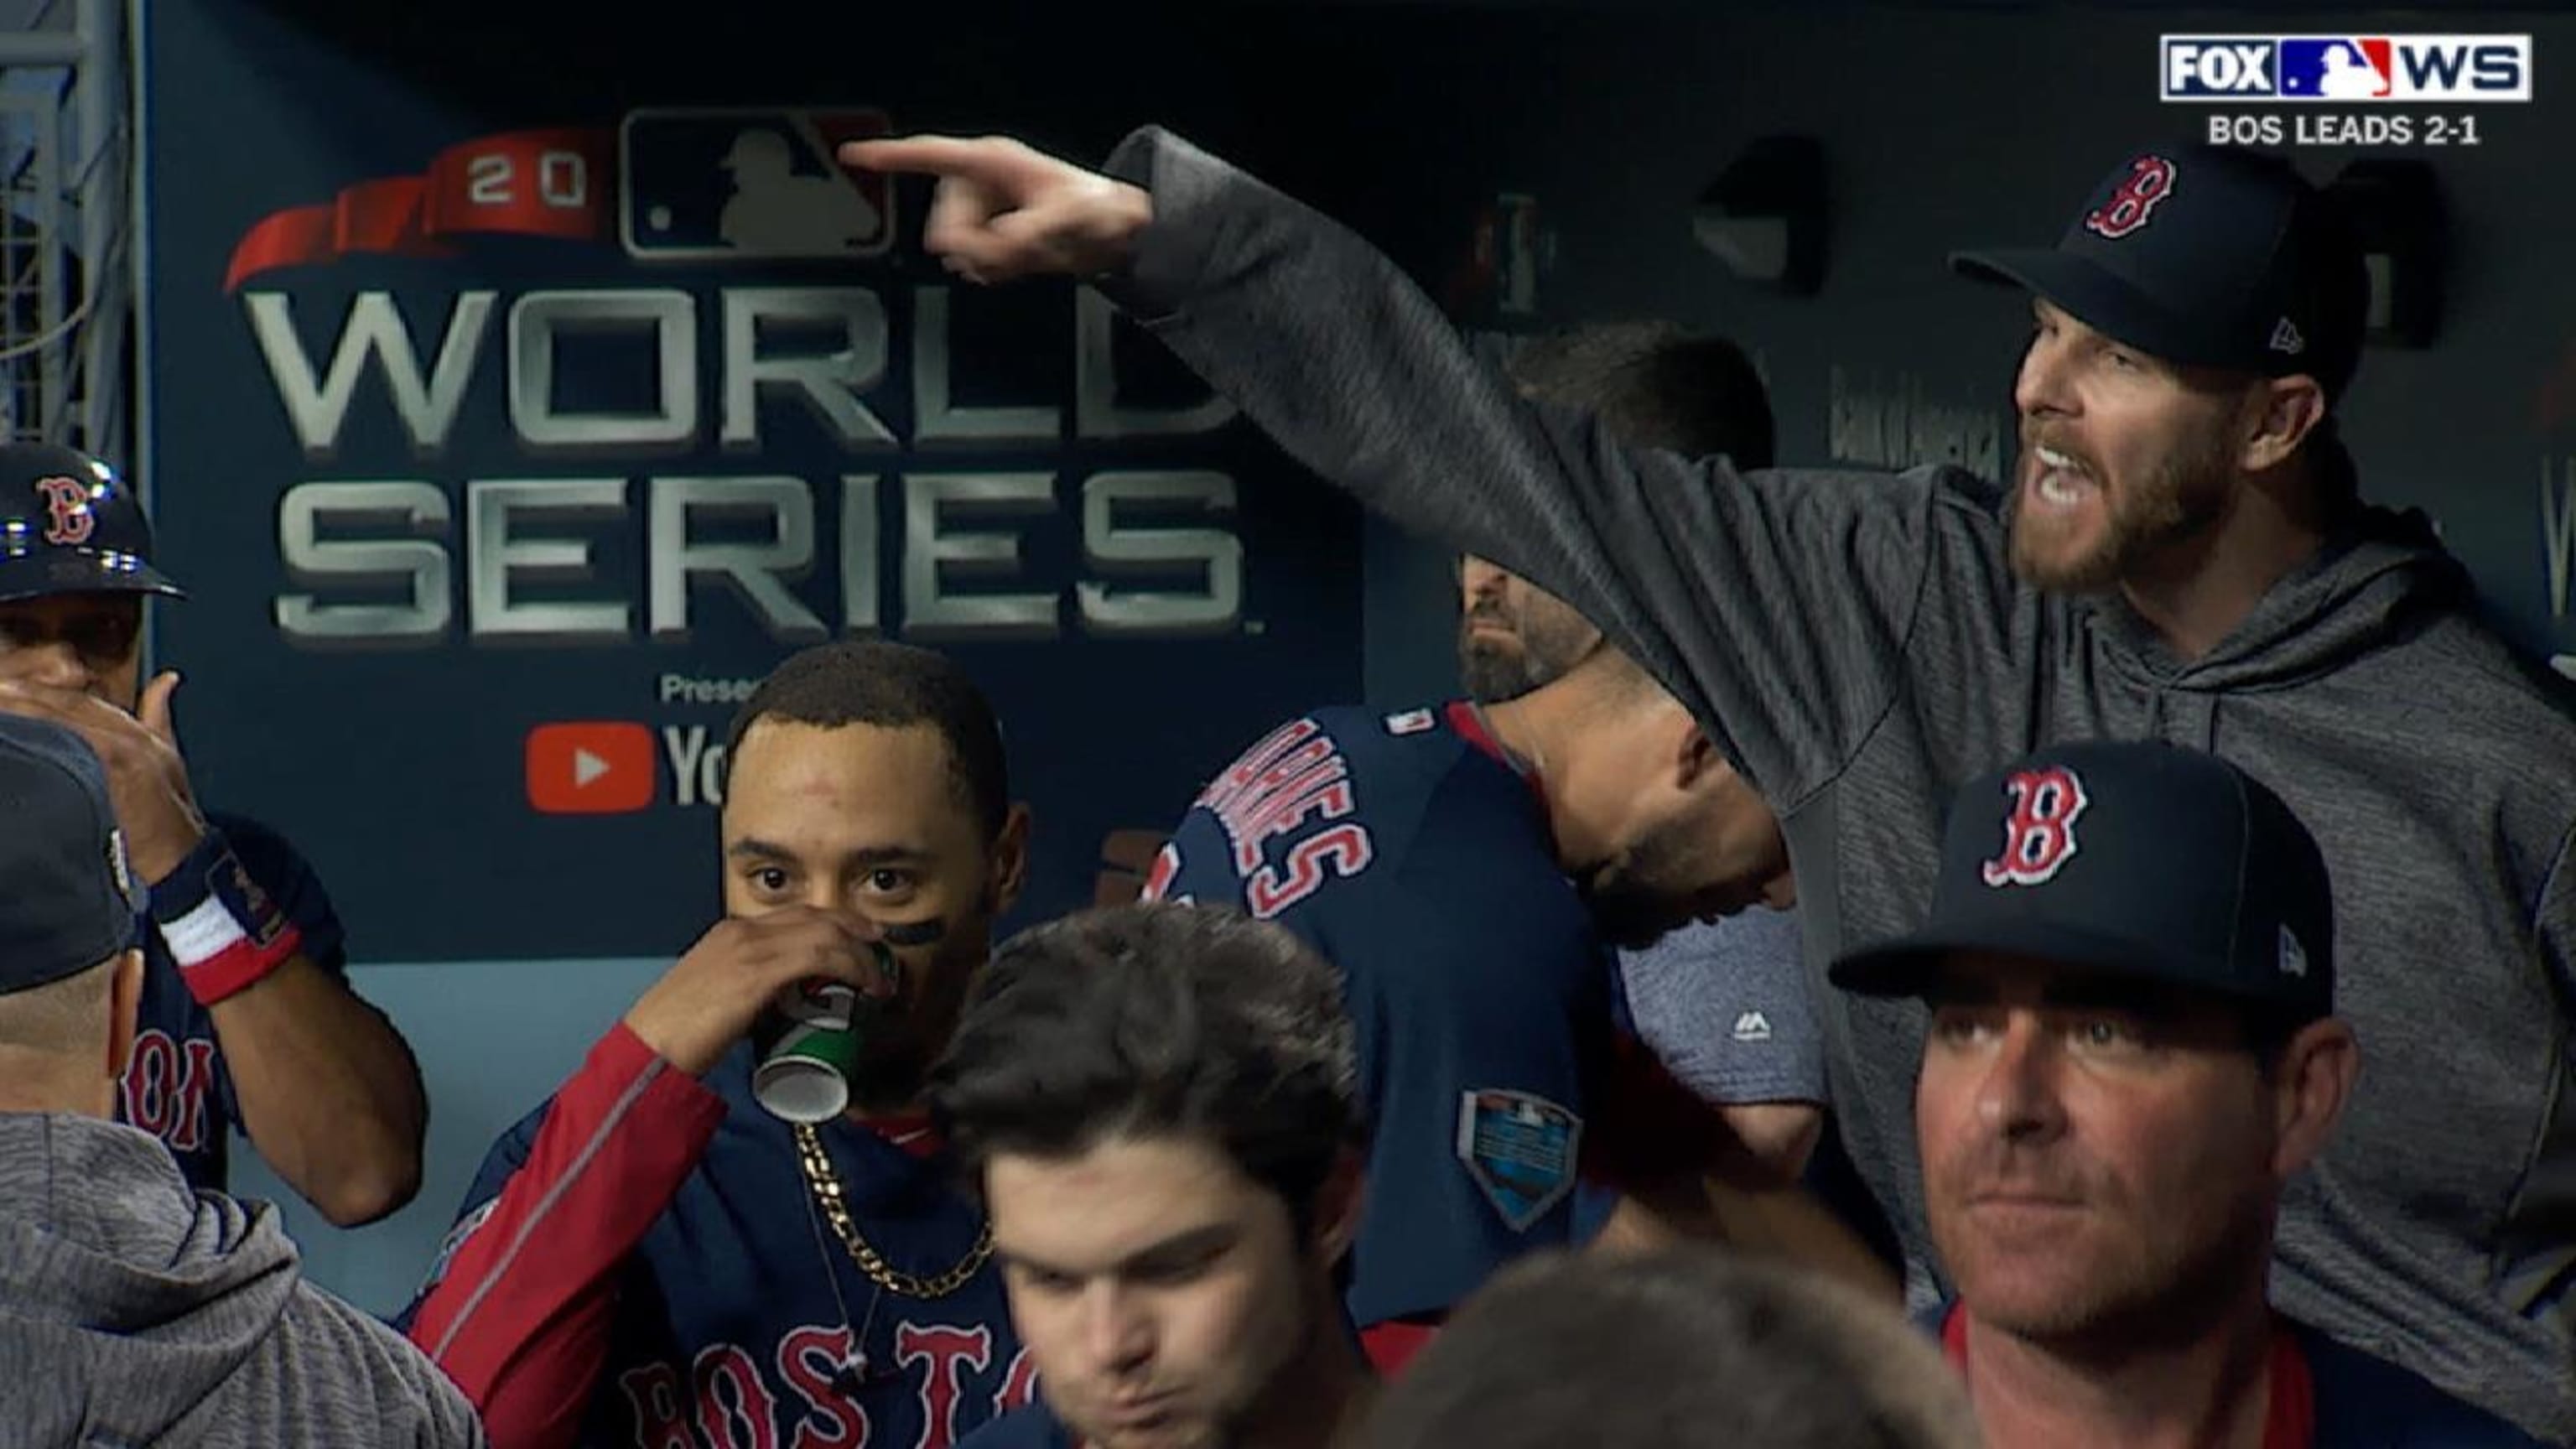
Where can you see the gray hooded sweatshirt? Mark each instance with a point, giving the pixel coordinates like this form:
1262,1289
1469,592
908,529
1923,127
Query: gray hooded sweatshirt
136,1311
1857,645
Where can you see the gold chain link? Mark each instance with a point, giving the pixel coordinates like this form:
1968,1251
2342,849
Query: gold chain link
826,1186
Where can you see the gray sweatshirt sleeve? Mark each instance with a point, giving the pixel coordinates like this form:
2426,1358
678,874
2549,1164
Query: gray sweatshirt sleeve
1775,605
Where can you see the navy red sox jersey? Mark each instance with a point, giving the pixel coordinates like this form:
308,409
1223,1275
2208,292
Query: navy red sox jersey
639,1264
176,1086
1410,854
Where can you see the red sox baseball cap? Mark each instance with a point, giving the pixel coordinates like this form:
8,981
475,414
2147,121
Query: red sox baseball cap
2148,862
68,901
69,524
2207,256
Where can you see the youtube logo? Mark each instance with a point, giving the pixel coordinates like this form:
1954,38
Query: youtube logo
590,767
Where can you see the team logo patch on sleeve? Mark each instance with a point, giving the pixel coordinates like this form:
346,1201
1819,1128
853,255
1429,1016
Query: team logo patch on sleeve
1520,1149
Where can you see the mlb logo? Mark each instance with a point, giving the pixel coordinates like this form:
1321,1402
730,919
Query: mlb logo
737,184
2337,67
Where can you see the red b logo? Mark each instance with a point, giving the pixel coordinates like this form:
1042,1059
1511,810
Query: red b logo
67,515
2151,180
2039,836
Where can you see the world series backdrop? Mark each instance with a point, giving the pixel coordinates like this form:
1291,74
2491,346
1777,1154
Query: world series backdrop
524,381
507,436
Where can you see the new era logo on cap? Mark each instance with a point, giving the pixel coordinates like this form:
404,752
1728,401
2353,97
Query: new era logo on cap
590,767
2286,338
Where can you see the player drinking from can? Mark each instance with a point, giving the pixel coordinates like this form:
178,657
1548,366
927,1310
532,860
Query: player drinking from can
654,1249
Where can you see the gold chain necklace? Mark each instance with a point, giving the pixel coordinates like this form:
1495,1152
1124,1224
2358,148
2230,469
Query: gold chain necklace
826,1186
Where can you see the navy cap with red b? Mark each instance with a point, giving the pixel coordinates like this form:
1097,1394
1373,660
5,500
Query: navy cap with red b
2207,256
2144,861
68,900
71,524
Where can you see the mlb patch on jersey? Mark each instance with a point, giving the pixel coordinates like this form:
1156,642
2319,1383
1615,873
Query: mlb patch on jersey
1521,1150
1410,722
721,184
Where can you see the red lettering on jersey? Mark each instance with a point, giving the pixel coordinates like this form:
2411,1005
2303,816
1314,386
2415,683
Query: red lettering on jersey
653,1398
1279,812
1239,775
2150,180
732,1397
150,1073
166,1085
1167,867
948,1352
2039,835
196,1085
1345,848
67,516
1019,1386
810,1359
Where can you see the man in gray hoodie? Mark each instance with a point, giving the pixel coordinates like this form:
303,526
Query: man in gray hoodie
2182,556
134,1310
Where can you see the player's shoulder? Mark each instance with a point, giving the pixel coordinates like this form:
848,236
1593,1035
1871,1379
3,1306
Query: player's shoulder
1031,1426
2364,1400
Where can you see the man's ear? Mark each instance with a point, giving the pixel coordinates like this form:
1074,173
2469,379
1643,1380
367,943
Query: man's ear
1696,761
124,1005
2286,410
1011,858
2310,1086
1338,1203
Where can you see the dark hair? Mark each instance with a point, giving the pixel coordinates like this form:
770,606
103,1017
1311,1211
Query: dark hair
1654,385
1676,1349
873,682
1156,1020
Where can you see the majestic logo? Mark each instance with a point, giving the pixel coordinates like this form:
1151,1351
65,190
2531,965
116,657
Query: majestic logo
2039,834
2150,180
67,516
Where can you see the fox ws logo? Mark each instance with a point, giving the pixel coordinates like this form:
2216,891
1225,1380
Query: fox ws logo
2345,68
706,184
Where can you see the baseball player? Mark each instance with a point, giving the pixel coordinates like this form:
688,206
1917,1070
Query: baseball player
652,1257
247,1019
1466,867
2182,554
1160,1107
2133,1051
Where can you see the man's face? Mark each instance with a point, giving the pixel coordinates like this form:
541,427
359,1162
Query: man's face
2094,1159
1708,851
868,820
1512,635
89,642
2122,457
1162,1293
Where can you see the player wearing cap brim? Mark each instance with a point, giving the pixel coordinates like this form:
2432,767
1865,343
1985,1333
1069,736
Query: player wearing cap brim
2132,1055
248,1022
2180,555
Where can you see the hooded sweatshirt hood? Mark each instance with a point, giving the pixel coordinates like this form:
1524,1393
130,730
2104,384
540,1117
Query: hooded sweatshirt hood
113,1272
2371,576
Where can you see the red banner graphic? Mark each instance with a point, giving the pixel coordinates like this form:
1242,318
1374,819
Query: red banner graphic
555,183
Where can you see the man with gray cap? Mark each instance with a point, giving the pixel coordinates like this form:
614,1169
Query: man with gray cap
134,1310
2181,555
2130,966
